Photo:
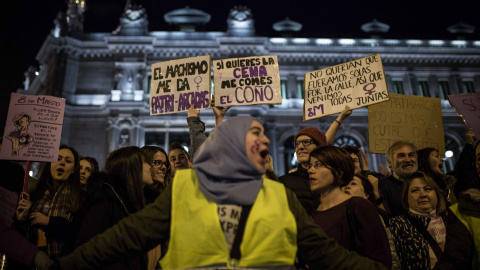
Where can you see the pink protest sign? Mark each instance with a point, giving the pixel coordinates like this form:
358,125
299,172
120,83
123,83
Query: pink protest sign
33,128
468,107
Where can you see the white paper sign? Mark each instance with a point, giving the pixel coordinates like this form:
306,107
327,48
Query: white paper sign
247,81
356,84
178,83
33,128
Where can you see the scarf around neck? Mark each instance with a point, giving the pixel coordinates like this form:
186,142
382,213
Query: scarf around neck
225,174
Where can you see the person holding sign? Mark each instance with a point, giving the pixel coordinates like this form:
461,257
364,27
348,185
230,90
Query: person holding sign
197,126
226,175
56,198
305,141
20,250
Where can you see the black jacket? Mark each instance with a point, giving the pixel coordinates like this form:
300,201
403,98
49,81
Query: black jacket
104,206
298,182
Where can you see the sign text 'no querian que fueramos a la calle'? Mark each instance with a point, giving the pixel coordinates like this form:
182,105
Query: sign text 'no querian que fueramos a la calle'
356,84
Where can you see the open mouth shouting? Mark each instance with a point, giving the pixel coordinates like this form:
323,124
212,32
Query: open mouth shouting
264,155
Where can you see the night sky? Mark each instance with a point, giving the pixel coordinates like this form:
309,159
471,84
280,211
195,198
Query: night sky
25,24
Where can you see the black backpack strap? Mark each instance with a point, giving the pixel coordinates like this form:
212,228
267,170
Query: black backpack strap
419,226
352,224
235,251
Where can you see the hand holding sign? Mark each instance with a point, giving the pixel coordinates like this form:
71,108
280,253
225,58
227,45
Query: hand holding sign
345,113
219,111
24,205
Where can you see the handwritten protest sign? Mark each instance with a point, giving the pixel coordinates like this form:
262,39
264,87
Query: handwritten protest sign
178,83
356,84
406,118
8,205
33,128
468,107
247,81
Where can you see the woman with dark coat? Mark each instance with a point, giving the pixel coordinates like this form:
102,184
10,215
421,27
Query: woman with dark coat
46,215
113,195
429,235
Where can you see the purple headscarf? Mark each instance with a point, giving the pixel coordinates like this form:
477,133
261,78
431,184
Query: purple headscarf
225,174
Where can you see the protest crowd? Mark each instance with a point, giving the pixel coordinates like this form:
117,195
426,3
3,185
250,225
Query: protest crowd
221,204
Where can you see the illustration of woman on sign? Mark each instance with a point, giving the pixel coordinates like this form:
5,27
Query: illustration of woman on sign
20,137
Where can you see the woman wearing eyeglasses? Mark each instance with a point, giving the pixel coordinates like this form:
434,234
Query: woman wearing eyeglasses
157,158
352,221
114,194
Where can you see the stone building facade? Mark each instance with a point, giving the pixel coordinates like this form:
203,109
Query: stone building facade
105,77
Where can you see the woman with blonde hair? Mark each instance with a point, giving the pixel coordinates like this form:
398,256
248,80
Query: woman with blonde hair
429,234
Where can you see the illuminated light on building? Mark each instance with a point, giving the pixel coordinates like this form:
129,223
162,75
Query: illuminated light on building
346,41
301,40
436,42
391,42
459,43
323,41
278,40
414,42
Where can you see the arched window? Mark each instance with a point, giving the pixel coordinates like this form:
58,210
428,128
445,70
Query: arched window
345,139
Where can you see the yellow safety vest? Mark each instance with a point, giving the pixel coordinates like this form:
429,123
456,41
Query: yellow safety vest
473,225
197,239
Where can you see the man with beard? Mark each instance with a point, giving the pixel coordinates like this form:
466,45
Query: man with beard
402,160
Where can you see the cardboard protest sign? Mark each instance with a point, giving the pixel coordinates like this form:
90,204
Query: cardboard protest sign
468,107
247,81
356,84
406,118
33,128
178,83
8,205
